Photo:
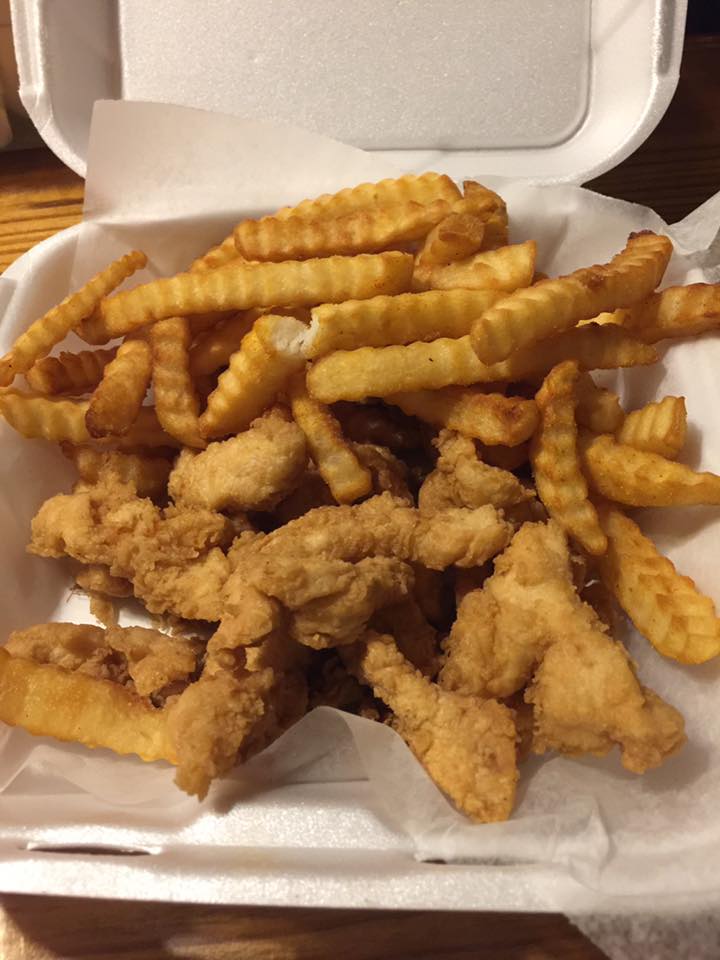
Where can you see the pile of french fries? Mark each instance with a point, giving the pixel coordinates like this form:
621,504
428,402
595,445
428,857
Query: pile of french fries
400,294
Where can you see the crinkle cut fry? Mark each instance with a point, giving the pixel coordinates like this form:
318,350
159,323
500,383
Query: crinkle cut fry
42,335
214,347
73,373
597,409
418,188
674,312
239,286
551,306
50,418
381,371
335,459
659,427
362,231
666,607
456,237
466,745
116,401
176,401
269,354
555,460
506,269
490,417
49,701
638,478
405,318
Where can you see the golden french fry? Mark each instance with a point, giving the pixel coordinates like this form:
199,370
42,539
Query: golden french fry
239,286
657,427
380,371
258,371
455,238
335,459
148,475
216,257
383,321
490,417
48,418
411,188
42,335
638,478
176,402
555,461
48,701
74,373
490,206
551,306
214,347
117,399
597,409
666,607
362,231
505,268
675,312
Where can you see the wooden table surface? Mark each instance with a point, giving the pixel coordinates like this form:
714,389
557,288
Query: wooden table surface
675,170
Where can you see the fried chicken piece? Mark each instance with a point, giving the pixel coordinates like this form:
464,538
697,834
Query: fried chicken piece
586,699
252,687
416,639
461,479
171,557
311,492
253,471
529,619
154,659
329,601
96,578
388,473
145,660
77,647
466,745
332,685
385,526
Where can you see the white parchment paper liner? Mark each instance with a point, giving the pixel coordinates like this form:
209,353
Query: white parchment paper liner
172,181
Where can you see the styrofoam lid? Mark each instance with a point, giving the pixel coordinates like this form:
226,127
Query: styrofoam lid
554,90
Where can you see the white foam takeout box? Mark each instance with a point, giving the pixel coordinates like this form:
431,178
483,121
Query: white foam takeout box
547,90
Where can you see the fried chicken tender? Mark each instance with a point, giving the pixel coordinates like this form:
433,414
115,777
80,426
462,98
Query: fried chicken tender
145,660
253,471
329,600
388,527
461,479
250,690
416,639
96,578
467,745
388,473
172,557
528,619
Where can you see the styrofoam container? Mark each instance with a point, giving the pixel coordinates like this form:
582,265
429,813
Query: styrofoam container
454,86
554,90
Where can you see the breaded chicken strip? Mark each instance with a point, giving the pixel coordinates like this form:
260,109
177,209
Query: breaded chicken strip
467,745
251,689
527,618
461,479
171,557
386,527
145,660
253,471
328,601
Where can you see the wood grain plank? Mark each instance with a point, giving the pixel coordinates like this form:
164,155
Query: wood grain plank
46,928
